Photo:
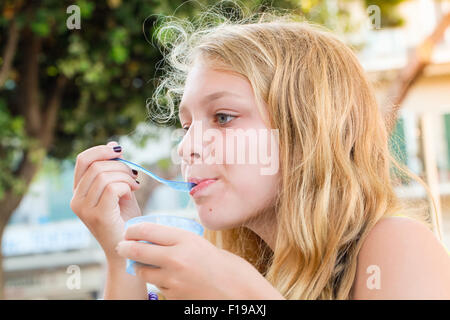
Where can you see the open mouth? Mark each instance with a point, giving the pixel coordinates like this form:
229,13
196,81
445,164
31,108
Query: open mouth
201,185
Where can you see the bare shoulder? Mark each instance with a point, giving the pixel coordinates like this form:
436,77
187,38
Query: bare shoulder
402,259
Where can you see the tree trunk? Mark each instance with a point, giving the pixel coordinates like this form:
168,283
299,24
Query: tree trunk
9,52
417,62
2,291
12,200
39,124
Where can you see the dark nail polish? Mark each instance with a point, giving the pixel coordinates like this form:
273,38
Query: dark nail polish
138,182
134,172
117,148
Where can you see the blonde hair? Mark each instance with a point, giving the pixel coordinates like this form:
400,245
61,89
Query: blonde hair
335,164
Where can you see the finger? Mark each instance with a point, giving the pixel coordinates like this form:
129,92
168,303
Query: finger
113,144
102,180
156,233
147,253
155,276
85,159
98,167
110,198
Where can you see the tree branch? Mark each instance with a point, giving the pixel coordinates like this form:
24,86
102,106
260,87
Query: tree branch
51,113
9,52
26,171
417,62
29,104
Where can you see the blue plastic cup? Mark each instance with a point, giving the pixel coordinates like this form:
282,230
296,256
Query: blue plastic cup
166,220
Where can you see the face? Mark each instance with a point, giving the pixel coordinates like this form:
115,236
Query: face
221,120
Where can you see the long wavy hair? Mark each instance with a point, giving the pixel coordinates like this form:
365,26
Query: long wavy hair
335,162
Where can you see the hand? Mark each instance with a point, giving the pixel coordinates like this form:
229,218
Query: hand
103,195
190,267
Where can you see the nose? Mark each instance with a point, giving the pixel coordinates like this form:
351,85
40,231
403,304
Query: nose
190,148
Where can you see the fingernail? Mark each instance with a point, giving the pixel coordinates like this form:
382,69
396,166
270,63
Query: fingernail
138,182
117,148
134,172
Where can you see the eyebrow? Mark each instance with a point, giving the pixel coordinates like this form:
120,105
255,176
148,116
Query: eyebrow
210,97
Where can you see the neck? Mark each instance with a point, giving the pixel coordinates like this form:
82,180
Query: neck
264,224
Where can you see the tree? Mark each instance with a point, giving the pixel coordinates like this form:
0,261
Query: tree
411,72
64,90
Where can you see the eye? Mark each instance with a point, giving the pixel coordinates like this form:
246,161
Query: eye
224,118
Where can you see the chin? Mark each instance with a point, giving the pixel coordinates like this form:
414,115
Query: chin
211,224
216,220
209,217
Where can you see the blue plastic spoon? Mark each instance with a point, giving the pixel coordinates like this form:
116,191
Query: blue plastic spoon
177,185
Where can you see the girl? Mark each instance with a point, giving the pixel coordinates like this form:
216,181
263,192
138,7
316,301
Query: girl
321,225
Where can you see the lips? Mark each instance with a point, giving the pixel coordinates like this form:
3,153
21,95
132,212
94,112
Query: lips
200,184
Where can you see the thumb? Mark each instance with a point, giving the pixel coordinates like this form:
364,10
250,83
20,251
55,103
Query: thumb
127,196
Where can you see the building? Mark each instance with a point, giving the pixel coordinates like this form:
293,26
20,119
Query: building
422,134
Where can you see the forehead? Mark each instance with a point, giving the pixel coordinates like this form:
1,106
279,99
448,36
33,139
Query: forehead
204,82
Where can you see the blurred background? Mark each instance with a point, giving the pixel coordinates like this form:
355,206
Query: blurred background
74,74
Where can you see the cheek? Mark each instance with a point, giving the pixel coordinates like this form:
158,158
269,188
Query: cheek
185,170
244,193
255,188
245,189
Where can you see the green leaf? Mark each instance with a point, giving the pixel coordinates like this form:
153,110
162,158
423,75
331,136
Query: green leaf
40,28
119,54
86,8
